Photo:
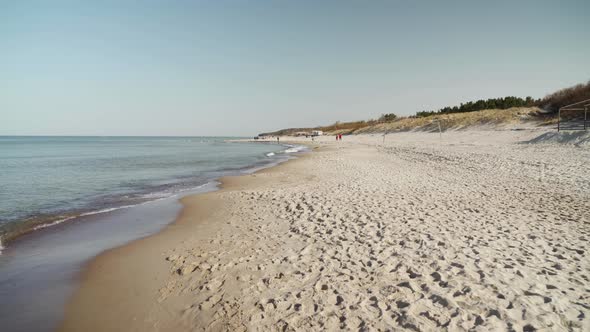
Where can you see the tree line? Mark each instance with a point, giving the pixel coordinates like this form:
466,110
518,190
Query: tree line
551,102
492,103
565,97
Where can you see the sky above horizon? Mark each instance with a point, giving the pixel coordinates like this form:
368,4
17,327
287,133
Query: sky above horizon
244,67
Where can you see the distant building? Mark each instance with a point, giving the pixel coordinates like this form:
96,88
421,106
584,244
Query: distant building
317,133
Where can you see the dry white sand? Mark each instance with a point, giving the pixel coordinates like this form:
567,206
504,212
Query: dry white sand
471,232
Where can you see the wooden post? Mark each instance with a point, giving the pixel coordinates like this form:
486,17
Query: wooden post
558,118
585,117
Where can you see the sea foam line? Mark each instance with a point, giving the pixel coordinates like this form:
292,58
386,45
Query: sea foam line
57,222
295,148
159,196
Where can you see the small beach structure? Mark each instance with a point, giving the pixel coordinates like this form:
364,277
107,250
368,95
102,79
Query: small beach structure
574,116
317,133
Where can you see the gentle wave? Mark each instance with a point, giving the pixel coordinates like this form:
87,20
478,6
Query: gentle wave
11,231
153,197
295,148
105,210
157,195
57,222
35,224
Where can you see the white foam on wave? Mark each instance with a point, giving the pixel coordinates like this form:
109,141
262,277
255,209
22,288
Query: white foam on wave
105,210
59,221
295,148
156,195
153,197
180,191
270,154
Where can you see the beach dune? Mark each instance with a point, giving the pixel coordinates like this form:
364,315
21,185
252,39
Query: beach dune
471,231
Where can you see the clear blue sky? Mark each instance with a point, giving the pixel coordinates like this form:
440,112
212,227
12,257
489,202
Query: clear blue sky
243,67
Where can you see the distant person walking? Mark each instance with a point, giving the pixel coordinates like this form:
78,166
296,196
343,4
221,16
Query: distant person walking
278,138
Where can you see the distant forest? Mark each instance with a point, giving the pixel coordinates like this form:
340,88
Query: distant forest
550,102
492,103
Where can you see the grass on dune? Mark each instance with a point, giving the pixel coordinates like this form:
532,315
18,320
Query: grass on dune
461,120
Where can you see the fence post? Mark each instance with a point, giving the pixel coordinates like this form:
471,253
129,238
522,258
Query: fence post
585,117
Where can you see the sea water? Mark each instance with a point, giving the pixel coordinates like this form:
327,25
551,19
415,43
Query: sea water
45,180
63,200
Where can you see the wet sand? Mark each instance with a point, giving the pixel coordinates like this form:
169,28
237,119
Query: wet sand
39,271
471,231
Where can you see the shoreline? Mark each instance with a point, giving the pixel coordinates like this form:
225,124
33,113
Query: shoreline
414,232
12,230
45,264
91,294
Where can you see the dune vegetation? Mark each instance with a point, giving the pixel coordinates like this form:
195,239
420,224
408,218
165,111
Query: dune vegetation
493,111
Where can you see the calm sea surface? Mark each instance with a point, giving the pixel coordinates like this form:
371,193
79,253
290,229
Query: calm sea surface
45,180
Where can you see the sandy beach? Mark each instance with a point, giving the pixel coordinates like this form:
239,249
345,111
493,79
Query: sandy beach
295,166
471,230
